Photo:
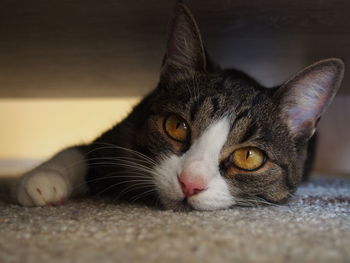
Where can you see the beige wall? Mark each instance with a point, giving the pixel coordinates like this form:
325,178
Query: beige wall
33,129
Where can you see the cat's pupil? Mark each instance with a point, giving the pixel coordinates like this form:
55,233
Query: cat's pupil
248,154
178,125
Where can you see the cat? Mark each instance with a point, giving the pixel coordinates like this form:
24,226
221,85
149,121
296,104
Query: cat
205,138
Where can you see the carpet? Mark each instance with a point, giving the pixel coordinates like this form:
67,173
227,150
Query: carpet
313,227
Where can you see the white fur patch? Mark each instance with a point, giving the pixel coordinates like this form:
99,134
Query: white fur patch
202,159
53,181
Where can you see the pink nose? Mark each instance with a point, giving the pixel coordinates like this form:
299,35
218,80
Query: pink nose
191,184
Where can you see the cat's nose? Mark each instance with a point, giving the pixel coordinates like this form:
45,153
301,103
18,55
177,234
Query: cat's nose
191,184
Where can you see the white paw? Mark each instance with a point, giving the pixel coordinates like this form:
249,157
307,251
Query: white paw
42,188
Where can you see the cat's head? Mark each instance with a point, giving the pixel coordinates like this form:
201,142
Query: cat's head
219,138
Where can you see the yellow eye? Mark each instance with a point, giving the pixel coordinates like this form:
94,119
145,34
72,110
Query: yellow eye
176,128
248,158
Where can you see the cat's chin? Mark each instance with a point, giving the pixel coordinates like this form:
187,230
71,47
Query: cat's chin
189,204
177,206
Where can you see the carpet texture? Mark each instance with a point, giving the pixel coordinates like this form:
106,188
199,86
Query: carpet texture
313,227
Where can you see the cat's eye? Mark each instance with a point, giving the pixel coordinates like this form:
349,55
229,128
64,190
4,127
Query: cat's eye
176,128
248,158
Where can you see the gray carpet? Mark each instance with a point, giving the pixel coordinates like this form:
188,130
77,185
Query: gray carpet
313,227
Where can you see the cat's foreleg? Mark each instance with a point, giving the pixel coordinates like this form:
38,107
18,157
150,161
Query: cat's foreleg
54,181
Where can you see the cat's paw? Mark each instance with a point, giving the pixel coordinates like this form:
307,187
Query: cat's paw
42,188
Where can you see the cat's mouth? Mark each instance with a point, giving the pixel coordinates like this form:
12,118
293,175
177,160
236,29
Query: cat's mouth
182,206
179,205
185,205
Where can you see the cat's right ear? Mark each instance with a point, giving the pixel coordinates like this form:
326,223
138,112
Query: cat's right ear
185,53
305,97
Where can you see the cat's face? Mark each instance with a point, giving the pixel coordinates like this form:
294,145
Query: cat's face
218,137
218,142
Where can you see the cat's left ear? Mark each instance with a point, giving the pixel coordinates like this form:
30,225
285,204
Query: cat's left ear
304,98
185,52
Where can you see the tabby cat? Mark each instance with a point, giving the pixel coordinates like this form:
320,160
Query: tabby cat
205,138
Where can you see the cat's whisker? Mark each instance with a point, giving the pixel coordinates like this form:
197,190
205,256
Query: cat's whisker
254,201
131,159
243,203
143,172
139,179
113,146
292,195
143,157
123,164
143,195
111,164
120,160
125,182
128,160
250,201
133,187
148,163
263,201
119,174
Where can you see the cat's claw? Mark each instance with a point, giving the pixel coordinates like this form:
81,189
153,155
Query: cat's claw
42,188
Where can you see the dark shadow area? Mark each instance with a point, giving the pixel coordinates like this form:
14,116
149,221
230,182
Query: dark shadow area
114,48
